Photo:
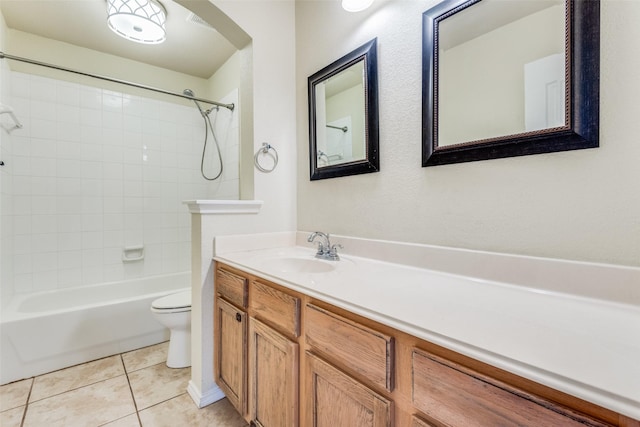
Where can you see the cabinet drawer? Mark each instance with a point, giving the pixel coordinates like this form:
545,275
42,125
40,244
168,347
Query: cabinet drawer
276,308
457,396
417,422
232,287
351,345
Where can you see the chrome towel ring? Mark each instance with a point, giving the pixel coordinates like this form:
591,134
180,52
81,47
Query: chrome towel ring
266,150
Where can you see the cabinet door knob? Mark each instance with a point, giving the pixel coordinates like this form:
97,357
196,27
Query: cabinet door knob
238,317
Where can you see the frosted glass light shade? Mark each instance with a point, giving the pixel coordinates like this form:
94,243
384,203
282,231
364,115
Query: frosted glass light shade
141,21
356,5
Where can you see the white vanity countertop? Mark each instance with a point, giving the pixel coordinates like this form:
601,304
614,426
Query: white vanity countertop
585,346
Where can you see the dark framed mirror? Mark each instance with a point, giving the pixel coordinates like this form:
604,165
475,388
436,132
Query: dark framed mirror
343,116
504,78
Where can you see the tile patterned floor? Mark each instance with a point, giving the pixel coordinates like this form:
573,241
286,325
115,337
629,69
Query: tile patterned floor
128,390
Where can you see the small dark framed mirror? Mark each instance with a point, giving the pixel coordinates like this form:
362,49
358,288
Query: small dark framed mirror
504,78
343,116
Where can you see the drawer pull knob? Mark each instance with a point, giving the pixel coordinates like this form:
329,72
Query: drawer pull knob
238,317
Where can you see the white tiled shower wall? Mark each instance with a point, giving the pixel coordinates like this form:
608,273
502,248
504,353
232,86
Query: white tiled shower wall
95,170
6,243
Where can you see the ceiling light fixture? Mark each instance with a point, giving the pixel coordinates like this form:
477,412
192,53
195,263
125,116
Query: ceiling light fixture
356,5
141,21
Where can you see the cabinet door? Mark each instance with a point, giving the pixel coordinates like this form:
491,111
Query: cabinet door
273,377
230,350
335,399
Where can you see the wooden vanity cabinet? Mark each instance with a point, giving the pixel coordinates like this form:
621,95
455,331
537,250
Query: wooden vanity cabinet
256,350
285,359
273,373
230,337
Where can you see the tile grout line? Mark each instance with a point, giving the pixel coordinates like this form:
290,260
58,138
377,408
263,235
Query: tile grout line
135,404
26,404
78,387
164,401
126,372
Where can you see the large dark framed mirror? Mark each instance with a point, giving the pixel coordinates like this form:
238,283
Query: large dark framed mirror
343,116
504,78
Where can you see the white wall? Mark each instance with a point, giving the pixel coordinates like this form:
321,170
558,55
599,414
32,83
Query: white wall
581,205
6,207
268,62
271,25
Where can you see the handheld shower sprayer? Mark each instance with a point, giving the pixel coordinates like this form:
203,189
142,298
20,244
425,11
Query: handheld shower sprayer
191,94
207,126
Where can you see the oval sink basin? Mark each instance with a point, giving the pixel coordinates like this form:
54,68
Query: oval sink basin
300,265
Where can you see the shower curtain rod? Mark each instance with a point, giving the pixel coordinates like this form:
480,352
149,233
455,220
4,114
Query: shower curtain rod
109,79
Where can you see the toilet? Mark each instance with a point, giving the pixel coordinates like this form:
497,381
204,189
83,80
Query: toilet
174,312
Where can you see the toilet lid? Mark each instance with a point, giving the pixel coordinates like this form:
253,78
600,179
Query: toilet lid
177,300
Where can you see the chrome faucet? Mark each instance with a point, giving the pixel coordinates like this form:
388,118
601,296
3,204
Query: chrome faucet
325,249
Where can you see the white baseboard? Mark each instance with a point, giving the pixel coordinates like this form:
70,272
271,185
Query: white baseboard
203,399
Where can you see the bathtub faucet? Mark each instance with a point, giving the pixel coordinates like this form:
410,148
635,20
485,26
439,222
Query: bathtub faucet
325,249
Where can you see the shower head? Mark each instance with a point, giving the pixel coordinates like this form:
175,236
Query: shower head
190,94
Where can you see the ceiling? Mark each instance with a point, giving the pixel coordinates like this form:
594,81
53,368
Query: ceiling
192,48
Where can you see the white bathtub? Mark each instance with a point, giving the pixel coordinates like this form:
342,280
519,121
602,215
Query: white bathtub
45,331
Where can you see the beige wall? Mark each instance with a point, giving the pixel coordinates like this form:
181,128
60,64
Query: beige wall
225,79
3,31
582,205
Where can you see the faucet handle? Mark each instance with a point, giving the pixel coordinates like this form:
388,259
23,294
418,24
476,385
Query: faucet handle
320,248
333,251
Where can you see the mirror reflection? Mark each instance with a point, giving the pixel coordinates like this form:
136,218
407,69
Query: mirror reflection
343,116
504,78
340,118
501,70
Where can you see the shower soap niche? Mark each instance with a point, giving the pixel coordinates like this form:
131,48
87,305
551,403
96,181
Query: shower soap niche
133,253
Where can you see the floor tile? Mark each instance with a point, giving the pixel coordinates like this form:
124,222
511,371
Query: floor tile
128,421
93,405
14,394
77,376
181,411
145,357
158,383
12,417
